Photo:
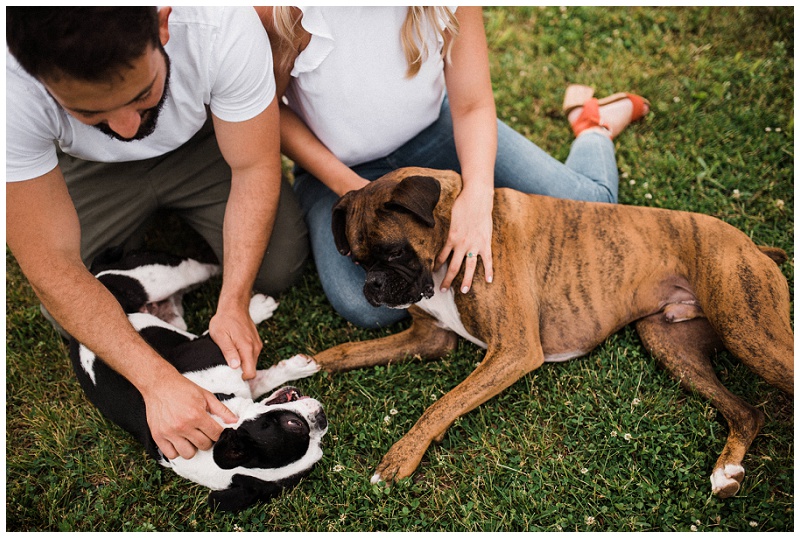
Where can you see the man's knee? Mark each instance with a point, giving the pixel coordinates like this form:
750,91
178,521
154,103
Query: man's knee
281,270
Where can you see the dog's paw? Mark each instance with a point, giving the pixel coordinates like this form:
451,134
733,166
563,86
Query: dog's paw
400,462
296,367
261,307
726,481
299,366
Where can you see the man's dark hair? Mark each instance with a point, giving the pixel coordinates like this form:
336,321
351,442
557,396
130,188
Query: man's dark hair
86,43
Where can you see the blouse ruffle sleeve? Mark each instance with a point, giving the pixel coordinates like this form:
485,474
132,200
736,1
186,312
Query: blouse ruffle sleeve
321,43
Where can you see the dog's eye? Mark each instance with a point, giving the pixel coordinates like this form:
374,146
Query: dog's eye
294,424
394,255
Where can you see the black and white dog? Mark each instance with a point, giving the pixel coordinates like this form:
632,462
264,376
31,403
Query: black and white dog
274,444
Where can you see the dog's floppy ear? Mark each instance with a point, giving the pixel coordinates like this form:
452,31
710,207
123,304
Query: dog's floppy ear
339,224
417,195
243,492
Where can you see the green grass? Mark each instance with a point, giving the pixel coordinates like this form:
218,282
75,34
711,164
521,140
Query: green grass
607,442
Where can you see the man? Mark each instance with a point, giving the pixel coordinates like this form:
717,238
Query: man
107,120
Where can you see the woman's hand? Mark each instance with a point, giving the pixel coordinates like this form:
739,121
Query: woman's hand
470,237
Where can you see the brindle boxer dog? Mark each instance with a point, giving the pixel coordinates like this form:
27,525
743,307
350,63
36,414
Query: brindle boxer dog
566,276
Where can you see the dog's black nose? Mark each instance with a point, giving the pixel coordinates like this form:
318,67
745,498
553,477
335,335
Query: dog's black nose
374,283
320,419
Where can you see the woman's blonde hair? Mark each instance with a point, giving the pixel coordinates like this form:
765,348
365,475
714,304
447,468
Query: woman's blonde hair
441,19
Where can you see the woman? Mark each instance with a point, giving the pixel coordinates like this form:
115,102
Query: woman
372,89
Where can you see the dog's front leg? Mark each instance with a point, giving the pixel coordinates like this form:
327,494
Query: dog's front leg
503,365
297,367
423,339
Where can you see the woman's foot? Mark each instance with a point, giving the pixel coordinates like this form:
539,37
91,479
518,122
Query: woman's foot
613,117
608,116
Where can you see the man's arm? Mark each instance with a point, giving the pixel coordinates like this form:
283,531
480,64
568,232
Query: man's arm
252,149
43,233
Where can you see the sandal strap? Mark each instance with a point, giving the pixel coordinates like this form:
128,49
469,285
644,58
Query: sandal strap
589,117
639,103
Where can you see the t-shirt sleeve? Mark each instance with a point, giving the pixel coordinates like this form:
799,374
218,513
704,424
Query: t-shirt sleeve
30,137
243,82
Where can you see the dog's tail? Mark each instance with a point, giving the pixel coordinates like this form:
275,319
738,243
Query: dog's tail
775,254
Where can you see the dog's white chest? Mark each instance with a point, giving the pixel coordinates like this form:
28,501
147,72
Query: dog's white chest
442,306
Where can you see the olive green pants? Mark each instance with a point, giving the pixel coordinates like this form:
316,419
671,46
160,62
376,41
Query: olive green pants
116,202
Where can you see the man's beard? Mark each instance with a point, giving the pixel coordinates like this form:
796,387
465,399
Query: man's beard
149,116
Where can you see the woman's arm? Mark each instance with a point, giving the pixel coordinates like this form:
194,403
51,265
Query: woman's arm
472,107
298,142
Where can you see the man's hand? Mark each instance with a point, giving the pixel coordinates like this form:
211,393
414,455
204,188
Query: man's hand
179,416
236,335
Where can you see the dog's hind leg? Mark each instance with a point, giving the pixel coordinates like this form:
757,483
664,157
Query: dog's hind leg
685,350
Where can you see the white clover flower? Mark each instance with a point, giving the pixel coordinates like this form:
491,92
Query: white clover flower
628,437
648,196
768,129
636,401
584,470
590,520
632,182
392,411
736,193
338,468
779,204
693,528
753,524
614,433
676,99
387,419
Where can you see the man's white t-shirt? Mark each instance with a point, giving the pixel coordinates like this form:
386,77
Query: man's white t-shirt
219,58
349,85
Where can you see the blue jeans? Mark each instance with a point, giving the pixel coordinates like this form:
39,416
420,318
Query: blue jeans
590,173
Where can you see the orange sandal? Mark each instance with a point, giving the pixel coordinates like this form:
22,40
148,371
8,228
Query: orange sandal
578,95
